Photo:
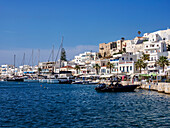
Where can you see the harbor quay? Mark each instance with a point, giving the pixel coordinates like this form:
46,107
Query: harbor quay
160,87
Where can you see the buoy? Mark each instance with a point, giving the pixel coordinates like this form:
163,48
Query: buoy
41,85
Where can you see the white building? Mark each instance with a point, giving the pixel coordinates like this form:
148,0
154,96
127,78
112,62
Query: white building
156,47
7,70
84,58
127,63
158,35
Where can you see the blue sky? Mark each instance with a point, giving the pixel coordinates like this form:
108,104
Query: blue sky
39,24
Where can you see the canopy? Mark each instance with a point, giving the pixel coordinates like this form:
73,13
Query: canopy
108,75
152,74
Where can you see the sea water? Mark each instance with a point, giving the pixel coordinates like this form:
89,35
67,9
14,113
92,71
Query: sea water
55,105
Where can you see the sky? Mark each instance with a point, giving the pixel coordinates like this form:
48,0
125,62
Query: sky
27,25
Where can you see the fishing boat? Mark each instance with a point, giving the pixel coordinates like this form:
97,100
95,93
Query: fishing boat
116,88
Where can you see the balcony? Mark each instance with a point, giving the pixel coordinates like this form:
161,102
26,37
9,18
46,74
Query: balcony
152,68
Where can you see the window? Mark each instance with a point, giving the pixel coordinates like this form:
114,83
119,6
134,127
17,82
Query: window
123,69
122,58
131,68
146,46
157,45
120,68
103,70
131,59
127,68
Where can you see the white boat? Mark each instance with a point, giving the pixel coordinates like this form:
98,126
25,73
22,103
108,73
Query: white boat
43,80
31,80
53,81
93,82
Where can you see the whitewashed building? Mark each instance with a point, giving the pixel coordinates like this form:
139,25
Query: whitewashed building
127,63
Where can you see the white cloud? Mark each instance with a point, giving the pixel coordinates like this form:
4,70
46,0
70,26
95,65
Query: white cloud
7,56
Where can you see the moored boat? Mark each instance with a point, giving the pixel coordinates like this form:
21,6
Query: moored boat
116,88
53,81
31,80
15,79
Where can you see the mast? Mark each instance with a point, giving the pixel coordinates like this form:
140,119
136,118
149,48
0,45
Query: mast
14,60
23,61
32,58
53,54
61,49
14,63
38,56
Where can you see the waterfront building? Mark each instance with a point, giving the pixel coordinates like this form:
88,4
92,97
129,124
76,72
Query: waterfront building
46,68
104,70
7,70
155,47
115,62
127,63
68,68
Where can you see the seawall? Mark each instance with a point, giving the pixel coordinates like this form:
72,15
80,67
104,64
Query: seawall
160,87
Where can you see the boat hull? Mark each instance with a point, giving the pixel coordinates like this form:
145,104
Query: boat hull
126,88
53,81
16,80
31,81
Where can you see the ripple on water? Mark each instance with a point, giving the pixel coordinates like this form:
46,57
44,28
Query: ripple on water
23,105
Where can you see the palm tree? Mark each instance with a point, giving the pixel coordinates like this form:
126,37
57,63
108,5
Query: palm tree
145,56
110,66
139,32
140,64
163,61
97,67
77,68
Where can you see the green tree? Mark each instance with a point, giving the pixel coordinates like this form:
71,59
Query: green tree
63,55
39,70
110,66
97,68
140,64
139,32
145,56
77,68
163,61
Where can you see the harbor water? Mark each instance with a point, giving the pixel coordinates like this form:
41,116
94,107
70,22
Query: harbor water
55,105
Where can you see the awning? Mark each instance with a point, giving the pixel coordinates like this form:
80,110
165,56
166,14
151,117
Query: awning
144,74
152,74
106,76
